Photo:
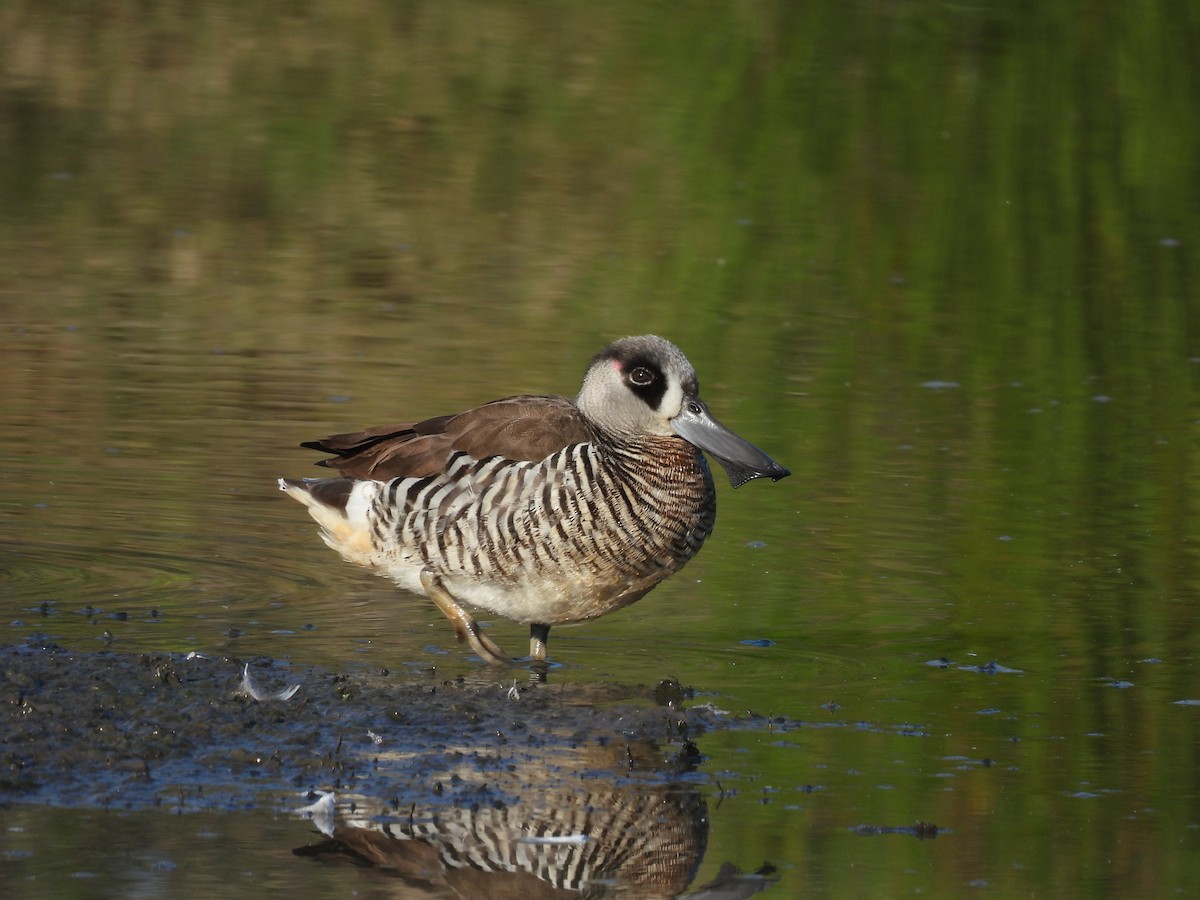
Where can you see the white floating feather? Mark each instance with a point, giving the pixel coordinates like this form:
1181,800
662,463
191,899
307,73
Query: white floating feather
555,839
251,690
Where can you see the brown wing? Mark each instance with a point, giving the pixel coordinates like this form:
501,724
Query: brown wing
525,427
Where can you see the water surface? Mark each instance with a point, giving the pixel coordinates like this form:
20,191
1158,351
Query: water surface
939,261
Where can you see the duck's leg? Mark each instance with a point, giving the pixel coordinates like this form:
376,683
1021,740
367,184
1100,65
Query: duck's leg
464,623
538,635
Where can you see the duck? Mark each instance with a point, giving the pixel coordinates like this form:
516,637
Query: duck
541,509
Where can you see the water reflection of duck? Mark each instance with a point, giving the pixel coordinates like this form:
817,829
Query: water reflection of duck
541,509
630,842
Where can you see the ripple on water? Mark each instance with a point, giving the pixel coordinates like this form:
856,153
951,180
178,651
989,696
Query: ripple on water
77,590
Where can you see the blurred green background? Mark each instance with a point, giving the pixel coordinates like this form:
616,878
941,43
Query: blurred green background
938,259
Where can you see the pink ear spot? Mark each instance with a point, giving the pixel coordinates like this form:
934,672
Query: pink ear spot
616,365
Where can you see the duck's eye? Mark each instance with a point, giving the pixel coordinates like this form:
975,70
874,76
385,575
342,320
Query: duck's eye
641,376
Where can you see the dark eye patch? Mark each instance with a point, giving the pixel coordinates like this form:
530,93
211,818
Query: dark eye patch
645,379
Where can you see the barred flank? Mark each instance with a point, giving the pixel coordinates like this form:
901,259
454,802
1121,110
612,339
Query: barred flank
620,511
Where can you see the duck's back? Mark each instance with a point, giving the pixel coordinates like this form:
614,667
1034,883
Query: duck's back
527,427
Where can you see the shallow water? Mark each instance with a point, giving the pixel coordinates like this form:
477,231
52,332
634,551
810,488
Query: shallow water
939,262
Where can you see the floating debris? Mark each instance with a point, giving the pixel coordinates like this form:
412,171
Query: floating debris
992,668
920,830
249,689
556,839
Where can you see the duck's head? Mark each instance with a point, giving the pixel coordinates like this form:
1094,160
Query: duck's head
646,386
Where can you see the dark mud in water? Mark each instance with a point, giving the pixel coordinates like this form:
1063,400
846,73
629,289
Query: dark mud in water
484,788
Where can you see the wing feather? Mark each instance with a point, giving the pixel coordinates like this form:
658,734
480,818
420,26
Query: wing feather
526,427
